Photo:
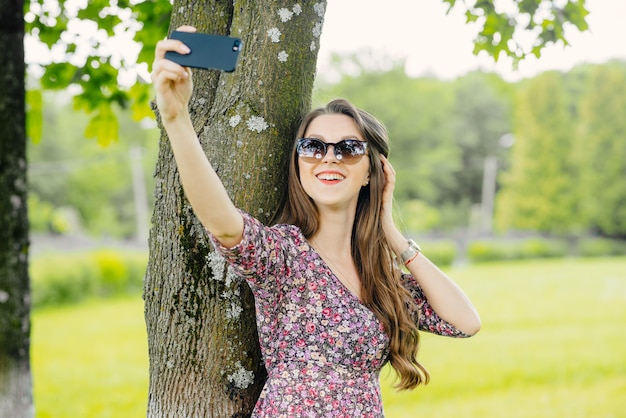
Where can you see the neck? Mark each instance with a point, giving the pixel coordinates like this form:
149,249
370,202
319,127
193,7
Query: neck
335,232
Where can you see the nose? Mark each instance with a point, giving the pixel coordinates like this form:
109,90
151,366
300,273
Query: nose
330,154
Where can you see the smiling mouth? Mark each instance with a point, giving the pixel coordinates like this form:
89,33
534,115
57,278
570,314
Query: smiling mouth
332,177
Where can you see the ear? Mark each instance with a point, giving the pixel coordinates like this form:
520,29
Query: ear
367,180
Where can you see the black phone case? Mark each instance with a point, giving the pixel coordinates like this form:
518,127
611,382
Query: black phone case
207,51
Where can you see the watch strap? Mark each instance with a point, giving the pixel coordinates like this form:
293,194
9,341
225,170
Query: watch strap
410,253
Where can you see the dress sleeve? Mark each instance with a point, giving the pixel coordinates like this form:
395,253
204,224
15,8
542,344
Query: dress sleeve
260,257
429,321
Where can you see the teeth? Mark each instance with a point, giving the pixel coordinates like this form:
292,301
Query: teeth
329,176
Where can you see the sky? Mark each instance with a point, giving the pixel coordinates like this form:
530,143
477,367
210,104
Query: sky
440,44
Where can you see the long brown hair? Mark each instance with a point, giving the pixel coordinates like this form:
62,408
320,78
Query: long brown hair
382,291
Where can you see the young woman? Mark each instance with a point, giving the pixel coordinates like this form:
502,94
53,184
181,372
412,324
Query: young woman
332,304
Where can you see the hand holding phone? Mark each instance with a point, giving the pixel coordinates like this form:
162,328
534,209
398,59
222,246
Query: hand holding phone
207,51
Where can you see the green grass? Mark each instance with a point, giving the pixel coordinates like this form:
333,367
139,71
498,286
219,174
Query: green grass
553,344
90,360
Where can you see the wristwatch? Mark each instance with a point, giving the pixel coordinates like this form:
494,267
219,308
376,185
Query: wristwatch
410,253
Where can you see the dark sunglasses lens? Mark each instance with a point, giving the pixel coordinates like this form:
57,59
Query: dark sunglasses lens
349,149
311,148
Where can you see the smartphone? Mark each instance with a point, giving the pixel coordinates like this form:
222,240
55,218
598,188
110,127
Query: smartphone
207,51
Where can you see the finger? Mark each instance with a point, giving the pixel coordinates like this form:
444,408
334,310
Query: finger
168,65
168,70
167,45
390,173
386,163
166,76
179,46
186,28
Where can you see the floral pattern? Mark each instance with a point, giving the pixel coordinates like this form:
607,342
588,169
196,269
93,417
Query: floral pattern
323,349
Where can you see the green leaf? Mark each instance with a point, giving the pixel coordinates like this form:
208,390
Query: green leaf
104,126
140,95
119,97
528,6
93,10
576,13
470,17
492,25
536,51
50,35
109,23
58,76
546,20
34,115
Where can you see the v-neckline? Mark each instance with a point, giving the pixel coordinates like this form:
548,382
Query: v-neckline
335,276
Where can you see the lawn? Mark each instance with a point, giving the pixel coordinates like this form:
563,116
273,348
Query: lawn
553,344
90,360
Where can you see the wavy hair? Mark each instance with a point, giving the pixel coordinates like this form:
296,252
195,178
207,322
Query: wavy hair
382,291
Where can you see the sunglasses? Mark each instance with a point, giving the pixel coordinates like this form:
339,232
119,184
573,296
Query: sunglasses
348,151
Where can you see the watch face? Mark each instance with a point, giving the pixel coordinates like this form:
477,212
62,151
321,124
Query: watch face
414,246
409,252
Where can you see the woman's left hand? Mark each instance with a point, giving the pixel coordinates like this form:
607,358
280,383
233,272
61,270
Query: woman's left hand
386,215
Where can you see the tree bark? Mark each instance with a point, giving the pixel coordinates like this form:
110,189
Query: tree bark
203,346
16,399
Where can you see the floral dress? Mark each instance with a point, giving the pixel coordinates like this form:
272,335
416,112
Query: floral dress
323,349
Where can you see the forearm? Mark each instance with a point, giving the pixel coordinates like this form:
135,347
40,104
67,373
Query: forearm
201,184
443,294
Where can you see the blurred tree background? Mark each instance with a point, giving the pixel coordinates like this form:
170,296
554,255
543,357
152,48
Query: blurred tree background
563,175
80,186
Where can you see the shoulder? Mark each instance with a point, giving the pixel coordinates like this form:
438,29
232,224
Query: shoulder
291,233
288,230
282,231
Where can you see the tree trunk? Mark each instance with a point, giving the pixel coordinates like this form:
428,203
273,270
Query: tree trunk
16,399
203,346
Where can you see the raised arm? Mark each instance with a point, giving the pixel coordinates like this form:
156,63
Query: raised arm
444,296
205,191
